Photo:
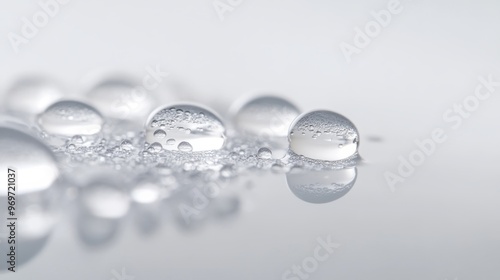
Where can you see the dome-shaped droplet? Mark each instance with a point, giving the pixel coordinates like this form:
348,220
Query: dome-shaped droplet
332,137
30,96
30,162
123,98
185,147
160,133
68,118
321,186
188,127
126,145
264,116
264,153
155,147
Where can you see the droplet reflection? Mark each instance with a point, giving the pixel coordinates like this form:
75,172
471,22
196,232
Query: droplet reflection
321,186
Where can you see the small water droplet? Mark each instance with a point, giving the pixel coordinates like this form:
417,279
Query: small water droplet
126,145
77,139
324,148
160,133
155,148
170,141
264,153
185,147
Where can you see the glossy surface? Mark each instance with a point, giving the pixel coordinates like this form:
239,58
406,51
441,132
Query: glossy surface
185,128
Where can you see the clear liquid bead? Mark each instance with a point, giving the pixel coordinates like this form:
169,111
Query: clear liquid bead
30,159
123,98
264,116
264,153
188,127
323,135
69,118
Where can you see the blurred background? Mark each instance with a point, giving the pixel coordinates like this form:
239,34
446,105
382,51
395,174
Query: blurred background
440,223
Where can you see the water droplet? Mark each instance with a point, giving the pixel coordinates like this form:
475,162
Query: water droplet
69,118
203,133
185,147
321,186
122,98
160,133
268,116
30,96
77,139
155,147
264,153
311,145
28,156
126,145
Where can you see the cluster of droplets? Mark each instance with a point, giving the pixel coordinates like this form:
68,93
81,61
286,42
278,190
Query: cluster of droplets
267,133
182,146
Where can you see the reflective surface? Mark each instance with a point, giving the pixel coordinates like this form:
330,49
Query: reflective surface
439,221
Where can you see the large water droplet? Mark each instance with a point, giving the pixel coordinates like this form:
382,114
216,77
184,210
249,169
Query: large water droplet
339,139
123,98
321,186
30,96
194,128
34,164
264,116
68,118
